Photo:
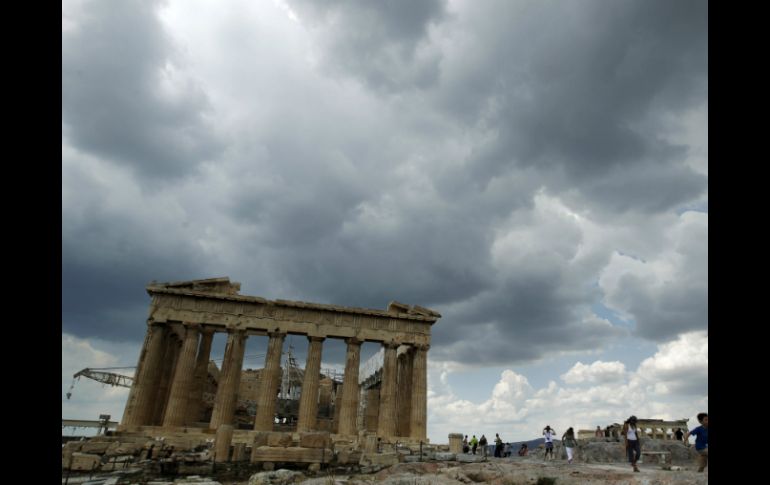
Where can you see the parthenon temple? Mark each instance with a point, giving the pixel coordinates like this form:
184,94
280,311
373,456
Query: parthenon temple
172,390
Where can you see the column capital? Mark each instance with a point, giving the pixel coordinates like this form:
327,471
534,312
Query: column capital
353,341
314,338
192,326
276,334
391,345
424,347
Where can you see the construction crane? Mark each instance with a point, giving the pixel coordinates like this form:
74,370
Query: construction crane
113,379
99,375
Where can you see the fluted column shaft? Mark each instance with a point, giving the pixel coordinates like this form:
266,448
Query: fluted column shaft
182,384
268,387
350,389
140,401
386,425
229,380
308,401
194,406
404,392
417,427
169,364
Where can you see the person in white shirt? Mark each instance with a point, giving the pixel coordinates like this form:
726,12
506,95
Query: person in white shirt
549,433
631,436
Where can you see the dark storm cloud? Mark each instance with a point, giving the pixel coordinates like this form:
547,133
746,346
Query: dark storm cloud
340,256
579,88
377,41
534,311
405,197
114,64
661,317
106,265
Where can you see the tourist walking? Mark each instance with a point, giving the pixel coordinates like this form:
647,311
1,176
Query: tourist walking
679,434
474,444
524,450
599,433
701,434
570,443
483,445
507,450
632,440
466,448
549,433
498,446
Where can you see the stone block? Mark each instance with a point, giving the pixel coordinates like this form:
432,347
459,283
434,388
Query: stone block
85,461
314,440
239,452
379,459
455,443
73,446
95,447
291,454
442,456
348,455
68,450
462,457
119,449
180,443
279,439
260,438
370,444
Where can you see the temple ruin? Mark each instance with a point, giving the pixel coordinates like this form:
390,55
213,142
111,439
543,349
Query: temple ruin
176,393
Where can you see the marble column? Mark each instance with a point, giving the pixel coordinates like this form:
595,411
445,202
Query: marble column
417,427
386,426
183,381
350,389
140,401
268,388
195,406
308,401
222,441
371,410
169,363
229,379
404,392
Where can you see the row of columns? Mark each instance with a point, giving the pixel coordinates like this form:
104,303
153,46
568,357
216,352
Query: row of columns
172,371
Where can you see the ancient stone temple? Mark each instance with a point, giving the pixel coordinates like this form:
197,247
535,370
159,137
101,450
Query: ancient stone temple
167,394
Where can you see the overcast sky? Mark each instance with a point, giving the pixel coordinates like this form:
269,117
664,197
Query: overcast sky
535,171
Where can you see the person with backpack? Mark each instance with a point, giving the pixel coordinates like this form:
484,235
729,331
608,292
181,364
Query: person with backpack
632,439
474,444
498,446
483,445
549,433
570,443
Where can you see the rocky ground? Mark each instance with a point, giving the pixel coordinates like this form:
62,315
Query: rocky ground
529,471
601,462
519,471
